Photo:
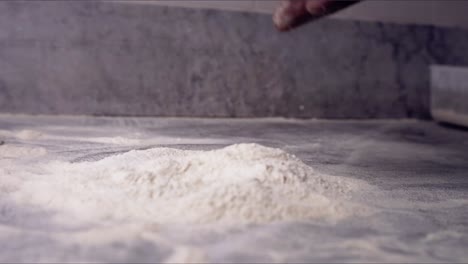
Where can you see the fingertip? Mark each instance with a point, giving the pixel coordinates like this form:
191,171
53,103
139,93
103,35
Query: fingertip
317,7
281,19
282,22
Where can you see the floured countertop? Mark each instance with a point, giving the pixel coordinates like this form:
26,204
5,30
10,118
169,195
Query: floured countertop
379,191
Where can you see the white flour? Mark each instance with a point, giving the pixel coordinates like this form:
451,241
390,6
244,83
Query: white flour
52,210
245,183
16,151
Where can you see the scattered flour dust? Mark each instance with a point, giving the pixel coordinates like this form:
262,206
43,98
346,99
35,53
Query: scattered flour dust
22,134
238,184
29,134
16,151
184,254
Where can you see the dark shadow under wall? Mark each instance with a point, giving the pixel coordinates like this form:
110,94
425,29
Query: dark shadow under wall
109,58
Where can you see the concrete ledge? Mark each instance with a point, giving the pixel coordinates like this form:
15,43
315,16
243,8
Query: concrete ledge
449,94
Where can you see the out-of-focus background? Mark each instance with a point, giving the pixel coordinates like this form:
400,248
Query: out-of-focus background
225,59
450,13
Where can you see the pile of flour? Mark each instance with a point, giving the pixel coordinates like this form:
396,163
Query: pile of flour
244,183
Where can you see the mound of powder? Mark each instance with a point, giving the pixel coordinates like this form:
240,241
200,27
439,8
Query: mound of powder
244,183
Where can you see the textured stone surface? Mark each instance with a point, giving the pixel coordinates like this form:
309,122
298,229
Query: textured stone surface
109,58
419,198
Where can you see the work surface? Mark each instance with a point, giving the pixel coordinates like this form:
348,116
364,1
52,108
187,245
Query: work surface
419,196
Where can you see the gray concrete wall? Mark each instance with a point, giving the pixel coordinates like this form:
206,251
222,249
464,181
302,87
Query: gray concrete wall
447,13
108,58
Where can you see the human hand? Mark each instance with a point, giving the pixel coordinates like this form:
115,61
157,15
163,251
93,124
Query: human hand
294,13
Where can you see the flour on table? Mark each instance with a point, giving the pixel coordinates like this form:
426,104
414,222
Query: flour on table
17,151
184,254
22,134
239,184
28,134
